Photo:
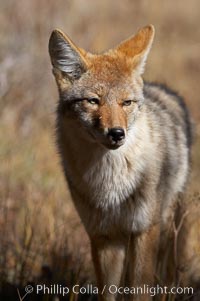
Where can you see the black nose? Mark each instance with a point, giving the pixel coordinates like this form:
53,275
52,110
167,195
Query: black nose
117,134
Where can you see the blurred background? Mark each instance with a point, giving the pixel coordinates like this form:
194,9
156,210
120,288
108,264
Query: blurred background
41,237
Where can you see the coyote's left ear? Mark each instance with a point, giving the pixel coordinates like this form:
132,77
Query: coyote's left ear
137,47
66,57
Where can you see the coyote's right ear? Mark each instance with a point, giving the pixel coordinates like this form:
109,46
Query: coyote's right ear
65,56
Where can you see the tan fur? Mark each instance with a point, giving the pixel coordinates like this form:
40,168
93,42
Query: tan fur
123,189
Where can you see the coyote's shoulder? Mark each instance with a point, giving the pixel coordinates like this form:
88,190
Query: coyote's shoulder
172,103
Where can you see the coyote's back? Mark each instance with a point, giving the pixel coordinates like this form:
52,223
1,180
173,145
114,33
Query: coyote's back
125,149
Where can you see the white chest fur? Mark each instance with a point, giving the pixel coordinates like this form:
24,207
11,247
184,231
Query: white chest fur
113,179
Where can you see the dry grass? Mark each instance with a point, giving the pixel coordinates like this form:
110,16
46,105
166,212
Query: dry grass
38,224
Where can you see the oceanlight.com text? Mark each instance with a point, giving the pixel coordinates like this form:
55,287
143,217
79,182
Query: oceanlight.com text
57,289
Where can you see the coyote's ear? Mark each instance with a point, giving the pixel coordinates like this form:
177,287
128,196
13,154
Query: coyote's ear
137,47
65,56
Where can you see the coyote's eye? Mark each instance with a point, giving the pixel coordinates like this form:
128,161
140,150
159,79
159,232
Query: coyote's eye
127,103
93,101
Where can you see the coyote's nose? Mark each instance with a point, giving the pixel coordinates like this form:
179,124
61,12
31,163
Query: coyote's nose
116,134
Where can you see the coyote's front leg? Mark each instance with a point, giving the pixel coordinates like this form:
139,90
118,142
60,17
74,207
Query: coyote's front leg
108,259
141,262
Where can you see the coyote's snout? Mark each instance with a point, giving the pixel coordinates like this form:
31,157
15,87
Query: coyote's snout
125,148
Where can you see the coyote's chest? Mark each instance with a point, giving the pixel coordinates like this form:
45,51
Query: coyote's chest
107,196
108,180
111,180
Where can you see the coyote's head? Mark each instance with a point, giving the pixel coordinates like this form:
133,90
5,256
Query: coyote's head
103,92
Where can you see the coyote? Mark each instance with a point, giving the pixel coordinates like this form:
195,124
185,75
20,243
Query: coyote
125,150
